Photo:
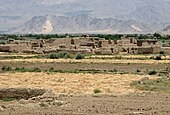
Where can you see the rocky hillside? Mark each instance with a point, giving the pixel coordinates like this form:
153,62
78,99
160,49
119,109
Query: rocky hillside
79,24
118,15
166,30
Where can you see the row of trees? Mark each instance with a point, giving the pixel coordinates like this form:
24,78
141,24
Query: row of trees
106,36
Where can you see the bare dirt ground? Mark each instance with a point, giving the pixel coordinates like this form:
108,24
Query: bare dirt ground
134,104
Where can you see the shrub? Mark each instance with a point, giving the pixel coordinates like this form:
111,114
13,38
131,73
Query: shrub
157,85
79,56
5,68
138,70
67,56
36,70
97,91
162,52
2,42
152,57
43,105
62,54
8,99
20,69
158,58
51,69
53,56
152,72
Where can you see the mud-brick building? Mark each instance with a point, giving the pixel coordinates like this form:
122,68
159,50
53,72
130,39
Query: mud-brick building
166,50
148,46
85,45
13,48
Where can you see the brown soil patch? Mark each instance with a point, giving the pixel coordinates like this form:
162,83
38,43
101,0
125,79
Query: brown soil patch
20,93
127,68
136,104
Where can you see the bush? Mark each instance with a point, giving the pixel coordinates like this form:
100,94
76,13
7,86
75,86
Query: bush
62,54
97,91
161,85
8,99
79,56
162,52
3,43
20,69
152,57
5,68
138,70
36,70
68,56
158,58
43,105
53,56
51,69
152,72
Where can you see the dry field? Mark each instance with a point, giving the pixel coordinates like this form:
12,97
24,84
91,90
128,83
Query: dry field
79,98
88,61
69,83
22,55
91,59
116,96
126,56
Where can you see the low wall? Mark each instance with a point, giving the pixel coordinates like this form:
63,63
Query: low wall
21,93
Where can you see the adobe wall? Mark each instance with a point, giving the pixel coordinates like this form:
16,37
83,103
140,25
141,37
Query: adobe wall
4,48
145,50
18,48
156,49
57,42
166,50
85,45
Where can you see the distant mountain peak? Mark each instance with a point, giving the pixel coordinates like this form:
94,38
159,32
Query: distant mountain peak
78,24
84,15
166,30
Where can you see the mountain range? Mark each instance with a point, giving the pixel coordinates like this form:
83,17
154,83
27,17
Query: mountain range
84,16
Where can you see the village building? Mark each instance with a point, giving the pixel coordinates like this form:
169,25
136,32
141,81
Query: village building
85,45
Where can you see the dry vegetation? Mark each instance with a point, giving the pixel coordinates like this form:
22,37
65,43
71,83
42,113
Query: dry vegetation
70,83
87,61
78,81
98,84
